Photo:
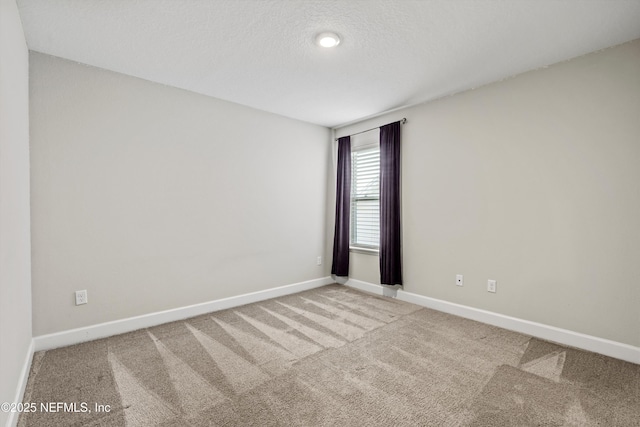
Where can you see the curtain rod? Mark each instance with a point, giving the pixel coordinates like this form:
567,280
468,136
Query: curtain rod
403,121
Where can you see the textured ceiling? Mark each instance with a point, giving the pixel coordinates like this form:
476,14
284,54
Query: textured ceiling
261,53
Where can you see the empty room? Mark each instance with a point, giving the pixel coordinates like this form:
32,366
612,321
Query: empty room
319,212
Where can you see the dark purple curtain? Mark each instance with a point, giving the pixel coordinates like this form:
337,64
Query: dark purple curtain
390,232
340,266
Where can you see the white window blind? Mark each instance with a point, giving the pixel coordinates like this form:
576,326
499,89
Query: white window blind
365,197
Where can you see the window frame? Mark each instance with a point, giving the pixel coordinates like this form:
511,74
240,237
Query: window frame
353,245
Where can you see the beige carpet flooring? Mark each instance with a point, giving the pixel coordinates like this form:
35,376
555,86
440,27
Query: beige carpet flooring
331,356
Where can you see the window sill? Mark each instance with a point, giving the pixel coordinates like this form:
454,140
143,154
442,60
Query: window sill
361,250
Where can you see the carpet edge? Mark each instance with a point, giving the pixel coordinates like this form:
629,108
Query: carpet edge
567,337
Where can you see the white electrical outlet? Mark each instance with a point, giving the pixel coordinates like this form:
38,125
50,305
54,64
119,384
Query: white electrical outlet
319,260
491,285
81,297
459,279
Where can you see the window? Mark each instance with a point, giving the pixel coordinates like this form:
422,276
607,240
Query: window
365,197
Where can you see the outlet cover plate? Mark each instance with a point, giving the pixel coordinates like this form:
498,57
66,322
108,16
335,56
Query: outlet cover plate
458,279
491,286
81,297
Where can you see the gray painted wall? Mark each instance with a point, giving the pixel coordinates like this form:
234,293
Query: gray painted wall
153,198
533,182
15,267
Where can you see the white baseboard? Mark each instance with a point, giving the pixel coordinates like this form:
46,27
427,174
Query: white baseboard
107,329
365,286
12,420
603,346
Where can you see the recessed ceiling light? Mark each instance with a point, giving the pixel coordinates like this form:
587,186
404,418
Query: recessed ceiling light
328,39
